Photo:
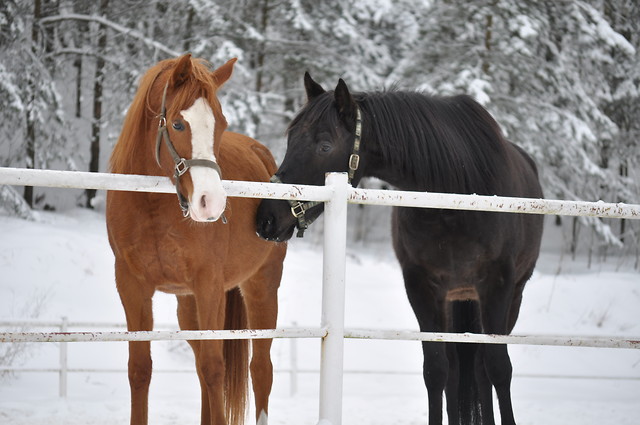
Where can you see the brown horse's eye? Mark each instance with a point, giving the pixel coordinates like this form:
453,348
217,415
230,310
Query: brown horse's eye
178,126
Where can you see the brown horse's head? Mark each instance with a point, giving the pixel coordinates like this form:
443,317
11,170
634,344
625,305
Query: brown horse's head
174,127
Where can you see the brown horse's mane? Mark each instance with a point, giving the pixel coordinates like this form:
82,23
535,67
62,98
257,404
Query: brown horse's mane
138,133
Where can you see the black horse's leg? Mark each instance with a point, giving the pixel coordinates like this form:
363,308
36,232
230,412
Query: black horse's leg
427,305
485,390
496,310
453,380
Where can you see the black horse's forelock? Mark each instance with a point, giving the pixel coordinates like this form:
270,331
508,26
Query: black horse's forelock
315,110
444,144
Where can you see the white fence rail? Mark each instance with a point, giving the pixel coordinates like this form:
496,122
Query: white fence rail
336,194
64,324
103,181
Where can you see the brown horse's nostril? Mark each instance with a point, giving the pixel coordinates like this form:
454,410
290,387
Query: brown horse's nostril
203,202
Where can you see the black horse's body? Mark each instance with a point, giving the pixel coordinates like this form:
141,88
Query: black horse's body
464,271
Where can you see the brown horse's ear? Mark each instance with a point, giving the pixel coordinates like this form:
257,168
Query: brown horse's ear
222,74
182,71
344,101
312,88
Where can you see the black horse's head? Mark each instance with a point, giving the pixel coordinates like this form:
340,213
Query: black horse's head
320,140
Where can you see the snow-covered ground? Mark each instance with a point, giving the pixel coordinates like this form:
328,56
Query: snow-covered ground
62,265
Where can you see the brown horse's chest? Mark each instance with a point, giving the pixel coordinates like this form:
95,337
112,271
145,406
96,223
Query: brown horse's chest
173,257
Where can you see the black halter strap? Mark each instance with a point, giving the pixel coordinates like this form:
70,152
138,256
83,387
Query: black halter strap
182,165
298,208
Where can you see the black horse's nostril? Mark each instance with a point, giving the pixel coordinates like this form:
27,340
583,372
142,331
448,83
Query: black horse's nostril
266,227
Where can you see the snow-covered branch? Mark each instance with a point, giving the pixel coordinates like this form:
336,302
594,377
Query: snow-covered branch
114,26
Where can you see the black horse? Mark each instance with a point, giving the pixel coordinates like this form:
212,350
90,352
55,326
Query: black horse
463,271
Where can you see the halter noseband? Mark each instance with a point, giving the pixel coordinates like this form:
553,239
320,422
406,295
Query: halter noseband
298,208
182,165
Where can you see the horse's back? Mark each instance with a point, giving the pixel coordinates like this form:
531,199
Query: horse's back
523,178
245,159
458,246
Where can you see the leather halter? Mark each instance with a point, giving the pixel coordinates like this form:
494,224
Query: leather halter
298,208
182,165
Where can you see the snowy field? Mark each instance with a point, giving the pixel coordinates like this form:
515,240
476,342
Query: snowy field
62,265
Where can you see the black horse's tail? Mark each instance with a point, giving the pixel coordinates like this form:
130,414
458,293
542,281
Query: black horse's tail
464,316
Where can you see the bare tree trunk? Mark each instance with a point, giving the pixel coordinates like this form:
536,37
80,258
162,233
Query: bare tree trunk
264,22
261,55
96,124
30,116
488,39
186,46
78,65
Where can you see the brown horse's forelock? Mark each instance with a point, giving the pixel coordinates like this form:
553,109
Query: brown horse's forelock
199,84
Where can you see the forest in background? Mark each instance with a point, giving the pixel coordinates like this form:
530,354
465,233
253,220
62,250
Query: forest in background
561,77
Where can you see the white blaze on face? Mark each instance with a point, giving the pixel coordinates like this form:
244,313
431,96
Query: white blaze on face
208,200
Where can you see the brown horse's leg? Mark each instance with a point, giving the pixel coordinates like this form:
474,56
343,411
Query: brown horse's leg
210,303
136,300
260,294
188,320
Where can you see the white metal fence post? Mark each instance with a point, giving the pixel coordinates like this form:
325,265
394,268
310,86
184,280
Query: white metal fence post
293,361
63,359
333,292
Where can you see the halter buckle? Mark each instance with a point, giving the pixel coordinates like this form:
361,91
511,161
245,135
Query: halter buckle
297,210
354,161
181,167
162,122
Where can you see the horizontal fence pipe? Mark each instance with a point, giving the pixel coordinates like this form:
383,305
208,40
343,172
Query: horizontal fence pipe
137,183
493,203
156,184
161,335
562,341
572,341
36,323
317,371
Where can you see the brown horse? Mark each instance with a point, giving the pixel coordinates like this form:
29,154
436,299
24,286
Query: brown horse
223,275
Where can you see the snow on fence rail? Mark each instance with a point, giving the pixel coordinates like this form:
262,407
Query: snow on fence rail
336,194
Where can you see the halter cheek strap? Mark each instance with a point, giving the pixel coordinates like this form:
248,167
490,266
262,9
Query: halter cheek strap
354,159
298,209
182,165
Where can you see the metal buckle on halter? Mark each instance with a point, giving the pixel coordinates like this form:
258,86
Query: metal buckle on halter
297,210
181,167
354,161
162,122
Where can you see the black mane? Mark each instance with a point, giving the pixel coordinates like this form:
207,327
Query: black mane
443,144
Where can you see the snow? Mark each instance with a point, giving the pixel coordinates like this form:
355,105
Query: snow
63,260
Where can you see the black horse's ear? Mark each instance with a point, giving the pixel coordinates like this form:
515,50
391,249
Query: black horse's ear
313,89
344,101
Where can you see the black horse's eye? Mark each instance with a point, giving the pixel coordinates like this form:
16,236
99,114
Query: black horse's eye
325,147
178,126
